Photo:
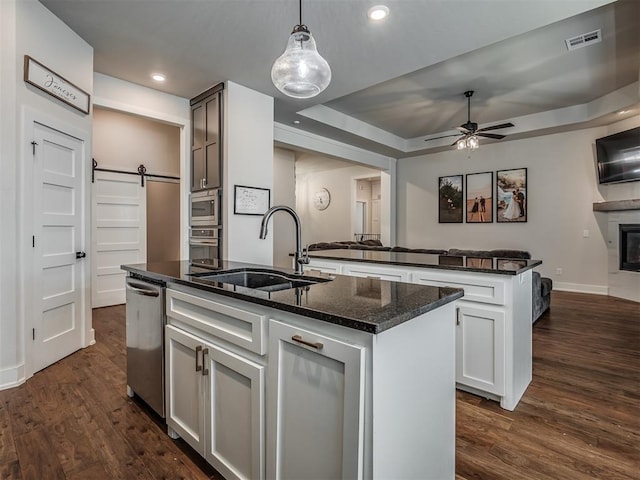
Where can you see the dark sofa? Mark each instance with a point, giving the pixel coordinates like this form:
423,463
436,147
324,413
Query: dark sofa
541,286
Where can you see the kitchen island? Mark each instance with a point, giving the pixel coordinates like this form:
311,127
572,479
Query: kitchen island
493,324
344,378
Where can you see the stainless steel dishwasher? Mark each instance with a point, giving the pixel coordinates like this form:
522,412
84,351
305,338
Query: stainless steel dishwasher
145,342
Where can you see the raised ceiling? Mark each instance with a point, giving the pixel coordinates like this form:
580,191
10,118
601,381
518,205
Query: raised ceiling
394,83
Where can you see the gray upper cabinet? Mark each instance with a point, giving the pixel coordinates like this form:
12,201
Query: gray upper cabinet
206,147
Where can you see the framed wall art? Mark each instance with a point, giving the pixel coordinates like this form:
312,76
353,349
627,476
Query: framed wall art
450,199
479,197
250,200
511,195
55,85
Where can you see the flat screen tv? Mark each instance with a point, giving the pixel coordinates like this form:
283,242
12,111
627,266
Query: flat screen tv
618,157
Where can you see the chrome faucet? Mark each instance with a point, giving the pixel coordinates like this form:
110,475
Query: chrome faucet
301,257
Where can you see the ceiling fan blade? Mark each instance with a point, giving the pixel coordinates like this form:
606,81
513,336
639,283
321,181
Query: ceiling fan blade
463,129
490,135
496,127
443,136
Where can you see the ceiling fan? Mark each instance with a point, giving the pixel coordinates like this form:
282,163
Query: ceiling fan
469,132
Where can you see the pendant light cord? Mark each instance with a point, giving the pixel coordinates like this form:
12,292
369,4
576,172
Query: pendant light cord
300,13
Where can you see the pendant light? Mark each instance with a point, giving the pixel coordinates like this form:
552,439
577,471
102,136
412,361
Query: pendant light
300,71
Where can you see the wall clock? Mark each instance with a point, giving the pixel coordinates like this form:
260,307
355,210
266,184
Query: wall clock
321,199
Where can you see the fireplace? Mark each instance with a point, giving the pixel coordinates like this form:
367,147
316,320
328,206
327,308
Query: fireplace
630,247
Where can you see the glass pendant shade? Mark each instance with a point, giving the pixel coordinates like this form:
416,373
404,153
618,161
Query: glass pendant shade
300,71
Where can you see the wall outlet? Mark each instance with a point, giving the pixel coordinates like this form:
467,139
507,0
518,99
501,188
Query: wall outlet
558,271
585,234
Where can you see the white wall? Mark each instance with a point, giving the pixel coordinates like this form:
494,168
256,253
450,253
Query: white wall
123,141
248,161
11,332
284,193
336,221
28,28
562,186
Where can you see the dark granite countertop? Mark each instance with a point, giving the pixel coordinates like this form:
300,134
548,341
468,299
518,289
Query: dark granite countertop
503,266
370,305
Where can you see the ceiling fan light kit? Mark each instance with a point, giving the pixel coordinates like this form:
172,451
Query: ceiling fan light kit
301,72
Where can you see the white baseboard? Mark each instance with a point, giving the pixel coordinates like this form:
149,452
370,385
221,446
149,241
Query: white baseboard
581,288
12,377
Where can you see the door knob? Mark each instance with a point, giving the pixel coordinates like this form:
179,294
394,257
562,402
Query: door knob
80,254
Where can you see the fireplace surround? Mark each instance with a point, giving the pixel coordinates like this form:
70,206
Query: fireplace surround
629,251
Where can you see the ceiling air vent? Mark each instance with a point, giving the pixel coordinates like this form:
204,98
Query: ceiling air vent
584,40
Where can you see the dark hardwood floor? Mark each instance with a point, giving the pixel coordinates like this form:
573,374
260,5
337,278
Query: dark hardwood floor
579,418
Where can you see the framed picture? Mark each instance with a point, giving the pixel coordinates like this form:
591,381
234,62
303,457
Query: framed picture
450,199
511,195
55,85
479,203
510,264
250,200
479,262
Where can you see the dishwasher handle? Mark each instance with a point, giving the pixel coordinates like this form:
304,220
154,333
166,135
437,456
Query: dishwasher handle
141,290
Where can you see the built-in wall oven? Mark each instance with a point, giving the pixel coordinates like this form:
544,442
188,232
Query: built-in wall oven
205,208
204,246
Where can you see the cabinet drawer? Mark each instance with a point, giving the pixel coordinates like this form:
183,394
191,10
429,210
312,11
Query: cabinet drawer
237,325
323,266
476,289
375,271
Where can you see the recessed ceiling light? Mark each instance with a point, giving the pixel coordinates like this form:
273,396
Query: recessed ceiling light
378,12
622,112
158,77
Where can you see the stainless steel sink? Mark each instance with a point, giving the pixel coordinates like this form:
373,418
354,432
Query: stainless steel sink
265,280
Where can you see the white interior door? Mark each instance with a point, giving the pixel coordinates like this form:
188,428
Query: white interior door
119,229
375,216
58,280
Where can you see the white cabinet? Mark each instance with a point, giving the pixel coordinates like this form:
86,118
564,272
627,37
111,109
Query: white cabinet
316,405
480,348
340,403
493,334
215,400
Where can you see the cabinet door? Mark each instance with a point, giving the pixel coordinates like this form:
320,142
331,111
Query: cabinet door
212,142
198,122
480,349
316,407
234,414
184,395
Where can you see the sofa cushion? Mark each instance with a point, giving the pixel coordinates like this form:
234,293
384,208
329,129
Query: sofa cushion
546,285
369,247
371,243
510,254
432,251
469,253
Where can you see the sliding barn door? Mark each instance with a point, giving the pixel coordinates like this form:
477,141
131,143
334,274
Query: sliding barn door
119,233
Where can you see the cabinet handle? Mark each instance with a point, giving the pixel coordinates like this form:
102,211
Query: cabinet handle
299,339
205,352
458,316
198,350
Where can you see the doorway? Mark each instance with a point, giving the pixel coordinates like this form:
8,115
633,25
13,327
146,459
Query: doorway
135,220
